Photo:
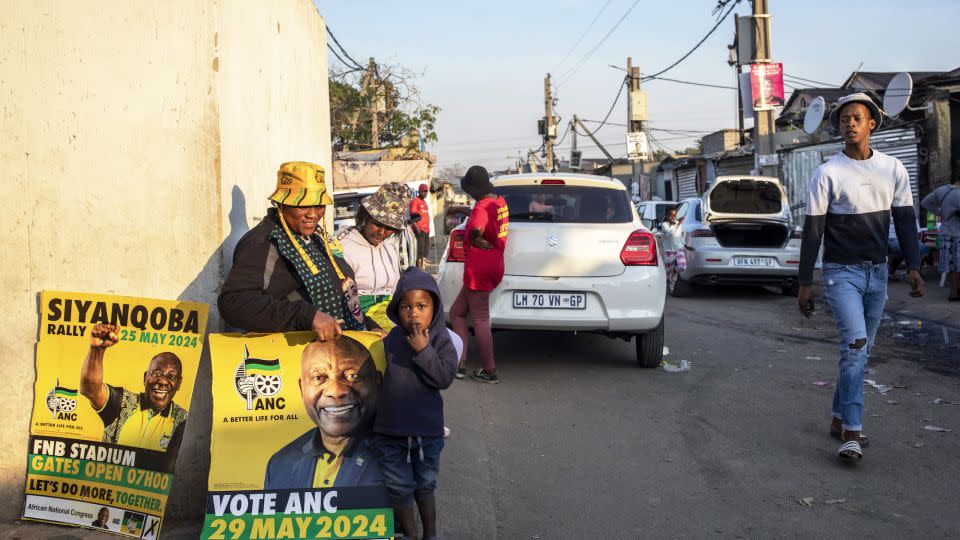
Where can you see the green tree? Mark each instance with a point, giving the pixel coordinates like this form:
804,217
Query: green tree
387,91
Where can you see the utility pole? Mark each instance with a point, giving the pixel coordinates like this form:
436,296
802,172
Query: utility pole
578,122
763,120
735,62
636,114
550,132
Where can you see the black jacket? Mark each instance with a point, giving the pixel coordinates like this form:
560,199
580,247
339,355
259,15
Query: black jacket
410,402
262,292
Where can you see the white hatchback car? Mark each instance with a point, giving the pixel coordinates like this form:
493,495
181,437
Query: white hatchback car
578,258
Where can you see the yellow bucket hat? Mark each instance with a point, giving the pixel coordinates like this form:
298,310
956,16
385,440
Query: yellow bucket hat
301,184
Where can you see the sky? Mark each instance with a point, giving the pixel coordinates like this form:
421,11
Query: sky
483,63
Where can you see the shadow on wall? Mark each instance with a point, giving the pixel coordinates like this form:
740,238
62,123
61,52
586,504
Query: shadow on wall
187,498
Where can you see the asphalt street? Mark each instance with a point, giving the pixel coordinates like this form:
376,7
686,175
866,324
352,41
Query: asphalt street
578,442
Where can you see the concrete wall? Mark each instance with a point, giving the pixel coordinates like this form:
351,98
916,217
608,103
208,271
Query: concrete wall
138,142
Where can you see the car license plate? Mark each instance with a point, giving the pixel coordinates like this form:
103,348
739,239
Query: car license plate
755,262
549,300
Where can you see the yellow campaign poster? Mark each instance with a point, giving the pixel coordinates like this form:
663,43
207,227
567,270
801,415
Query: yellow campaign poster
115,375
291,452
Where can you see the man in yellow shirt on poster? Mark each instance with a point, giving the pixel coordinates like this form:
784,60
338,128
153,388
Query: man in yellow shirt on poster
149,419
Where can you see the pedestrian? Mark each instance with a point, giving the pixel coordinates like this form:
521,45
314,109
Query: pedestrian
945,202
287,273
418,207
486,232
372,248
674,254
421,361
850,201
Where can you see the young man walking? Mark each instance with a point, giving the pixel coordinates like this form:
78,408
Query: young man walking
851,199
418,206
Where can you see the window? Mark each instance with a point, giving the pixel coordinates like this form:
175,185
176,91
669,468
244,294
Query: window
566,204
746,196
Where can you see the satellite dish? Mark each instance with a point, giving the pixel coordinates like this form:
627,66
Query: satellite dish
814,116
897,95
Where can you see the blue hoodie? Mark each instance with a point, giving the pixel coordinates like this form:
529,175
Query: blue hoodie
410,404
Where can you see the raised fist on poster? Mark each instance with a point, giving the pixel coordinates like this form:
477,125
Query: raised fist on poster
104,335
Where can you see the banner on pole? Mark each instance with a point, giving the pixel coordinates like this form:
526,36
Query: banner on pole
766,86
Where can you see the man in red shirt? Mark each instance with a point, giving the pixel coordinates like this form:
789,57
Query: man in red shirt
487,239
418,206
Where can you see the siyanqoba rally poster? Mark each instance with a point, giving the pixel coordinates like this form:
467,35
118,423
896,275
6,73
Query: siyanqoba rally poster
290,447
111,401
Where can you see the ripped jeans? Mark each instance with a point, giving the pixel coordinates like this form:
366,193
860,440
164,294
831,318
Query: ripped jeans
857,294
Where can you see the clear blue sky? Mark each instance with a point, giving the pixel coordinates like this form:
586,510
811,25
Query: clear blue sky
483,63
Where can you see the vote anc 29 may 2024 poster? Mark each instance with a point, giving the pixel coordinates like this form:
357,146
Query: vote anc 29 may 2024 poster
290,446
115,375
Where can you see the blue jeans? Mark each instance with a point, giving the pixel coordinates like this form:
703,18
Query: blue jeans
857,294
410,465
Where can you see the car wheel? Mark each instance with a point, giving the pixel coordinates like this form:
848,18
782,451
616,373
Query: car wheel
791,290
678,287
650,347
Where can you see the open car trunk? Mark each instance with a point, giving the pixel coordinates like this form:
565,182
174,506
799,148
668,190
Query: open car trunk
748,233
748,212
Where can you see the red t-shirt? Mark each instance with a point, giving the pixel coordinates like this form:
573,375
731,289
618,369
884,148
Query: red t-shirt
419,206
483,268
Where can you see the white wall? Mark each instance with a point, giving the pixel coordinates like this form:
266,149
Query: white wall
138,141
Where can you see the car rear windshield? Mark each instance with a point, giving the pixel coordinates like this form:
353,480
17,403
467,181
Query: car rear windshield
566,204
746,196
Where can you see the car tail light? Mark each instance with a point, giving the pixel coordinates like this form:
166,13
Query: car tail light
457,252
553,182
640,250
702,233
797,234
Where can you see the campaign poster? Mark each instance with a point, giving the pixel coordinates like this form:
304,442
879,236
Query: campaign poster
291,448
766,86
115,375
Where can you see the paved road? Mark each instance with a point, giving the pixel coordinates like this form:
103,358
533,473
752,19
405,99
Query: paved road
577,442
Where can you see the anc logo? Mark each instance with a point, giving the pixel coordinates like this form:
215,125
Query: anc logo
62,402
257,381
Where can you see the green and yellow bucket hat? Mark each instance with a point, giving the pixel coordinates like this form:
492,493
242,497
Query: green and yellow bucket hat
301,184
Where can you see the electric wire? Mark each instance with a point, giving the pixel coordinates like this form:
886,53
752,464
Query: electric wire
571,71
708,85
584,35
344,51
612,106
695,47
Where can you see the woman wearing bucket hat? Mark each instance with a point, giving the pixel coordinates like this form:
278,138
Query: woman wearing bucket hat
372,248
287,273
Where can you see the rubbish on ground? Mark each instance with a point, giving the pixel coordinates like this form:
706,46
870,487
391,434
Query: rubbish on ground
806,501
666,350
880,388
834,501
938,429
898,335
820,383
941,401
891,402
900,386
918,445
672,368
813,358
905,323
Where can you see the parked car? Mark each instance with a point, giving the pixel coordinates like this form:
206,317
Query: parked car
653,213
739,232
345,205
578,259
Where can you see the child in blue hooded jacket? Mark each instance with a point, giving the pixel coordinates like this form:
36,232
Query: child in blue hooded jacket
421,361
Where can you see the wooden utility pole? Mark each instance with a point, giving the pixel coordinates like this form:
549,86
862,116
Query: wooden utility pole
736,53
763,121
550,130
635,116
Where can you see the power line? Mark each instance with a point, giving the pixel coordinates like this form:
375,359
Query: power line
708,85
344,51
695,47
338,57
585,32
612,106
587,56
810,81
